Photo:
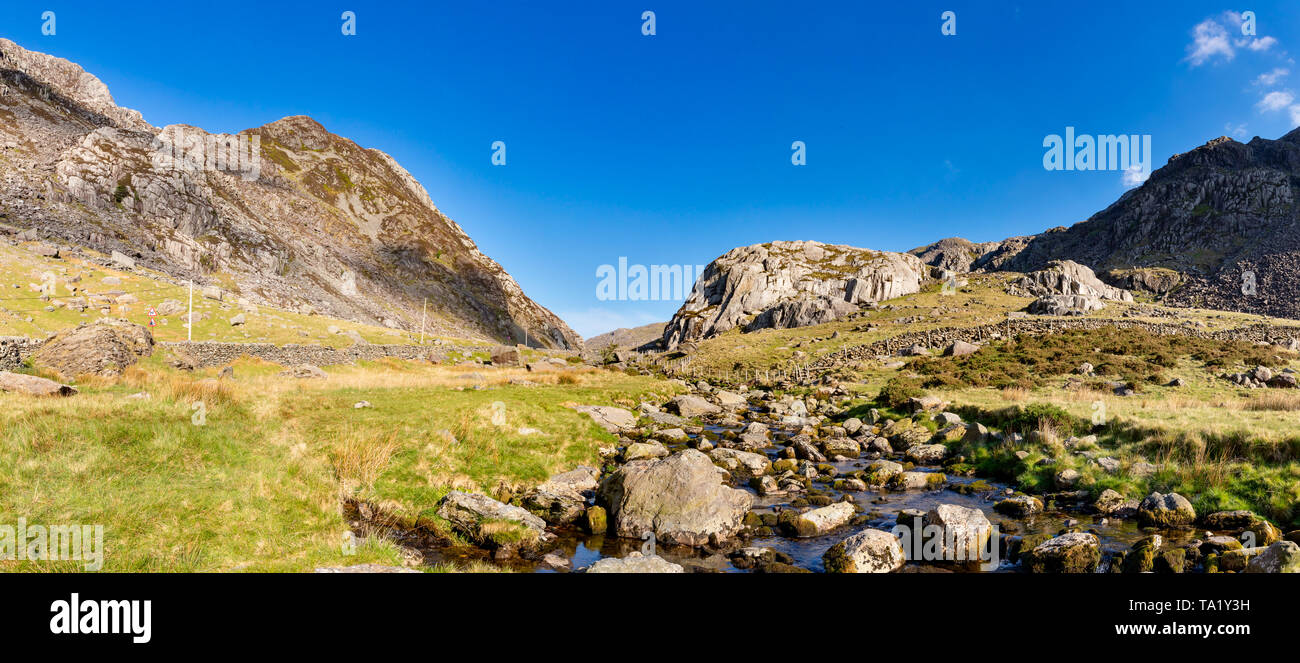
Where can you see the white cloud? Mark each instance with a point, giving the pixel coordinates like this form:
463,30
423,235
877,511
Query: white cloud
1135,175
1237,131
1295,115
1261,44
1209,39
1269,79
1275,101
1219,37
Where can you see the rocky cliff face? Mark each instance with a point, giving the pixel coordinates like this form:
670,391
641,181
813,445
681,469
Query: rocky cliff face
1216,227
287,214
790,284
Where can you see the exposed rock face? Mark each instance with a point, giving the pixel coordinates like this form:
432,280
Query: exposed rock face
955,254
681,499
868,551
103,348
301,218
1066,277
1211,215
789,284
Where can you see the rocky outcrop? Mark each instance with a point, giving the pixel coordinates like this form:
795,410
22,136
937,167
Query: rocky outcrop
957,255
1065,287
680,499
32,385
300,218
789,284
1222,217
103,348
492,524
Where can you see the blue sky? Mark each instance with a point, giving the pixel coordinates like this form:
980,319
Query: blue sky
676,147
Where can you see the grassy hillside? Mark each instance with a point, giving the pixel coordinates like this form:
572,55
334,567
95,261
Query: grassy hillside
255,478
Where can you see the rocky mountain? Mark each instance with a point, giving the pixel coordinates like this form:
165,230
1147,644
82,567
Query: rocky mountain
1216,227
790,284
627,338
287,214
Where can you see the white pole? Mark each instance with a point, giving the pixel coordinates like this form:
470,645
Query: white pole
189,319
423,309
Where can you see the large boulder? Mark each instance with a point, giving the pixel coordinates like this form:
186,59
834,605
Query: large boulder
785,284
1243,521
816,522
1168,511
102,348
32,385
1281,557
681,499
559,500
1066,277
612,419
1062,305
692,406
635,562
966,531
927,454
492,524
868,551
1076,552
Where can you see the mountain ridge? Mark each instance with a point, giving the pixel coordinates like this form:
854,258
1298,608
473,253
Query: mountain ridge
326,225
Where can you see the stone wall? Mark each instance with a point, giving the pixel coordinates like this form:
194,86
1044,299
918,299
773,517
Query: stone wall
14,350
208,353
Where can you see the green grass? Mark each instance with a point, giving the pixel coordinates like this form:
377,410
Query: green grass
260,486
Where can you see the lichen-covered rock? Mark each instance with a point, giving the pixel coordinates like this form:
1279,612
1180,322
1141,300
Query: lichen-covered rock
742,465
868,551
492,524
559,500
1243,521
612,419
32,385
1019,506
643,450
692,406
1170,511
816,522
103,348
681,499
635,562
1076,552
927,454
1280,557
966,531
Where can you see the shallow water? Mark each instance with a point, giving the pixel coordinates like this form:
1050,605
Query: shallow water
582,549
